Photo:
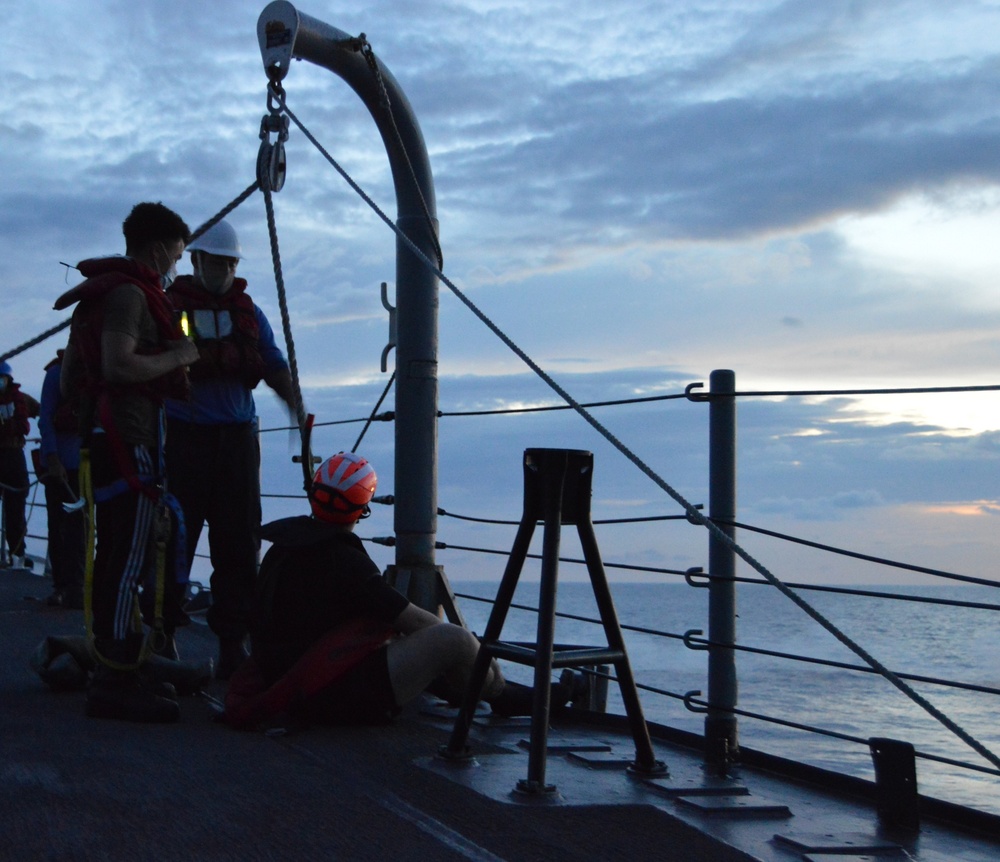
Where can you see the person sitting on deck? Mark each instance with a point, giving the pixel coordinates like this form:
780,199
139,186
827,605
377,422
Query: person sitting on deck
332,642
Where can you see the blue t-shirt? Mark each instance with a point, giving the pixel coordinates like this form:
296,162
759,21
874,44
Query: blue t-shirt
226,400
66,446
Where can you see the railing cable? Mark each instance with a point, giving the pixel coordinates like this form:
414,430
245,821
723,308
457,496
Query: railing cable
549,407
705,396
967,579
695,516
605,521
372,417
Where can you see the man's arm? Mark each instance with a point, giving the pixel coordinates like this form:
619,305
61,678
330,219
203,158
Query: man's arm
32,405
281,382
120,363
276,375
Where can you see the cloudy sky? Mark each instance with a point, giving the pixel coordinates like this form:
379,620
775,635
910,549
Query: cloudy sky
637,193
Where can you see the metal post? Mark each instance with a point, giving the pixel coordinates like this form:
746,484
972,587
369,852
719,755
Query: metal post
721,732
285,34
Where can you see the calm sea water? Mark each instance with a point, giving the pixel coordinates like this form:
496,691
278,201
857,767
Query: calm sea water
959,644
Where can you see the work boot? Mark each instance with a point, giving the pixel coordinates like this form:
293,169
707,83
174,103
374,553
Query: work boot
186,677
232,653
516,699
66,598
124,695
63,673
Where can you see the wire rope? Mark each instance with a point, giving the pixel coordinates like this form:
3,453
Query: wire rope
694,515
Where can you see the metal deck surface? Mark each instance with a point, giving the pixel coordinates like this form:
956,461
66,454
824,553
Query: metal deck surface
74,788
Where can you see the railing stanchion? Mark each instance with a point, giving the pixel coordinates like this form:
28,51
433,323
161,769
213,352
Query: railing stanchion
721,731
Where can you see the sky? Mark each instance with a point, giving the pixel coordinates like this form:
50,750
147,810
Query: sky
637,193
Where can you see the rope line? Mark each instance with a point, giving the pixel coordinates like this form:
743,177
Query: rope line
361,436
286,324
694,515
226,210
615,403
38,339
967,579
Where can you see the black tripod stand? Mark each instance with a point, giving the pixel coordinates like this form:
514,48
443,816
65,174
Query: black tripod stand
557,489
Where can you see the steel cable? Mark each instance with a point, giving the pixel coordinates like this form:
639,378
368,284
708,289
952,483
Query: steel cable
694,515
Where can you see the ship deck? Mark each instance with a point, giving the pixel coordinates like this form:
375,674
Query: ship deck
75,788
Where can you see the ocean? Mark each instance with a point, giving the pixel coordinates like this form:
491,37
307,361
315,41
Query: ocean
952,643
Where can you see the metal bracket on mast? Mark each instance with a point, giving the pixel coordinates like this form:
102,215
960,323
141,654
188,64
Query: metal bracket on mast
392,326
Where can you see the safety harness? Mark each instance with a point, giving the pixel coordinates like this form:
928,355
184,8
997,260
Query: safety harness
105,275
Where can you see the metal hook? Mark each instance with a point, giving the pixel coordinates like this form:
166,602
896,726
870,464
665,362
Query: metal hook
692,396
689,576
392,326
689,640
689,701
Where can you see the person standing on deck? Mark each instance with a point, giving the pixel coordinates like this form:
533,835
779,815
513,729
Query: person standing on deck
59,427
332,642
16,408
213,455
126,353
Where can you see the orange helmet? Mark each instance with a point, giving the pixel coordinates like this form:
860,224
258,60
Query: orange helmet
342,488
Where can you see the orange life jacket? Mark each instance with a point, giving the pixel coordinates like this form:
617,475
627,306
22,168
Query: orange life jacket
235,355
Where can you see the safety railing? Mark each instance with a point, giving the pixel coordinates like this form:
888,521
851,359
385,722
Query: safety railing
694,638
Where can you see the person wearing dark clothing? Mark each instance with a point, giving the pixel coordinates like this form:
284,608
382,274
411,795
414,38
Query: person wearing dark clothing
333,643
213,456
16,407
58,425
126,353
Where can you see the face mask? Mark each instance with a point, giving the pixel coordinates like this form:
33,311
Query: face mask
168,277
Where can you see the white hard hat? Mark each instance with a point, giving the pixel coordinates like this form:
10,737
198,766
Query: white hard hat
219,239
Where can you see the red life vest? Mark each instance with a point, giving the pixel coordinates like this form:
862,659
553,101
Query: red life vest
249,699
103,276
238,353
13,414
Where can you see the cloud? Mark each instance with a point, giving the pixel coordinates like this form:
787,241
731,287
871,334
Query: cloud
819,508
635,193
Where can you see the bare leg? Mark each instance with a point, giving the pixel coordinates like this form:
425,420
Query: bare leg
443,650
